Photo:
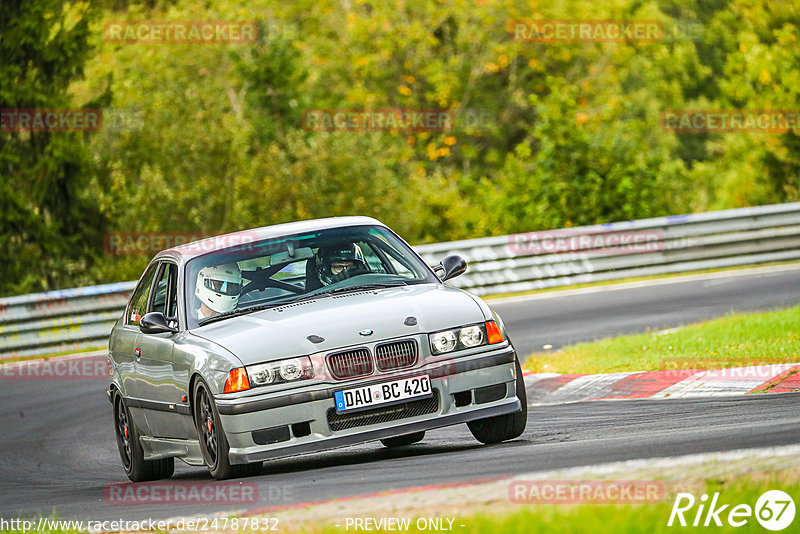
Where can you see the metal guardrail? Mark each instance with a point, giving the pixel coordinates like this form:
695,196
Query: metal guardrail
65,320
75,319
709,240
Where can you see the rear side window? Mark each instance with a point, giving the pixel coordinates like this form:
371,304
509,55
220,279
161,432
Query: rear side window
138,303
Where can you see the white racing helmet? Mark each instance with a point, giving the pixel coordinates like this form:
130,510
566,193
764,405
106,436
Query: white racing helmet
219,286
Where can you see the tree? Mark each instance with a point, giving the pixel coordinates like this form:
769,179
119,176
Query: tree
47,219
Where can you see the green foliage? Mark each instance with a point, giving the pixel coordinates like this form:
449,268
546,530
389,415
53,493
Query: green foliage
47,218
209,137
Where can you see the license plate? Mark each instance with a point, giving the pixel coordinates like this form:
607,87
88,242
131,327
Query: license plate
384,393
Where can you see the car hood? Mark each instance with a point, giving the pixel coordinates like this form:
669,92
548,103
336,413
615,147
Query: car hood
283,332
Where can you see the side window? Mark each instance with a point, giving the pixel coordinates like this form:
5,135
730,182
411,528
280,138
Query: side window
165,297
138,303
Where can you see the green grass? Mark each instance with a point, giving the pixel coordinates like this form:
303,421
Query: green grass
630,519
614,519
732,341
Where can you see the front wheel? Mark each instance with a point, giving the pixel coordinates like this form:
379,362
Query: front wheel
400,441
213,442
130,449
504,427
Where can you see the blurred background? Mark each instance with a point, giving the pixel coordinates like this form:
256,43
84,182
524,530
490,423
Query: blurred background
209,137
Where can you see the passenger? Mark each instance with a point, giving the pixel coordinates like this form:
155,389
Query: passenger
218,288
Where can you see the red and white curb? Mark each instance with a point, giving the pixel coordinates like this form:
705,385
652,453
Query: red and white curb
553,388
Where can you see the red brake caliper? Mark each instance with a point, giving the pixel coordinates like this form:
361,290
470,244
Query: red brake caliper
126,431
209,425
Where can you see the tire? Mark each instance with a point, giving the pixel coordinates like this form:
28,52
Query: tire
213,442
503,427
400,441
130,448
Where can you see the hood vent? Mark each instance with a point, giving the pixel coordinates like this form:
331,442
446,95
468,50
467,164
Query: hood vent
345,295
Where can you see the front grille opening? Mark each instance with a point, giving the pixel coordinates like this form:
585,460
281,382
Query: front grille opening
351,363
462,398
300,430
405,410
490,393
396,355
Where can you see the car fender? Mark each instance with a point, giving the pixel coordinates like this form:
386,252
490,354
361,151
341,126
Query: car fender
488,313
195,356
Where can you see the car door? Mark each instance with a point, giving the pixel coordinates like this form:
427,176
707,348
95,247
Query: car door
123,345
155,371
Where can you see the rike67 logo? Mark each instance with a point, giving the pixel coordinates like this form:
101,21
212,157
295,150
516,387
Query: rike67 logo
774,510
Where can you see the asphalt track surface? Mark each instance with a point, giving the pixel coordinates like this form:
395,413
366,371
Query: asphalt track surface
57,449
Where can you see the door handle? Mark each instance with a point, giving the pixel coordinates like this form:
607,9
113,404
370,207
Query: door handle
138,353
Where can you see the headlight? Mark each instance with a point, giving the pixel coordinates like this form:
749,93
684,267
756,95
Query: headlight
443,341
280,371
465,337
264,375
471,336
291,369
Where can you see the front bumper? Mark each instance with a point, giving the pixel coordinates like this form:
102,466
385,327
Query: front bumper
465,389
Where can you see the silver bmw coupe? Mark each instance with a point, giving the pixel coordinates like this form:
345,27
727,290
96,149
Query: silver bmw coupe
301,337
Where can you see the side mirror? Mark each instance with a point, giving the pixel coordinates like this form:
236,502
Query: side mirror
451,266
155,323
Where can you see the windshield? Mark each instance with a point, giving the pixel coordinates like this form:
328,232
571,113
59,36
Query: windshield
298,267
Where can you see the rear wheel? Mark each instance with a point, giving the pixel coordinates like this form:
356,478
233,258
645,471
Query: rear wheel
504,427
130,449
400,441
213,442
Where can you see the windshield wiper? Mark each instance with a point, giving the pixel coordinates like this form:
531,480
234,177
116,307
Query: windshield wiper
235,313
303,299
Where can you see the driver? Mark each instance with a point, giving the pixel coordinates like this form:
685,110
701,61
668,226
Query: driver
335,264
218,288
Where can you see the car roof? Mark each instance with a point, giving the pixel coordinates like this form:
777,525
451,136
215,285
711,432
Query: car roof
191,250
